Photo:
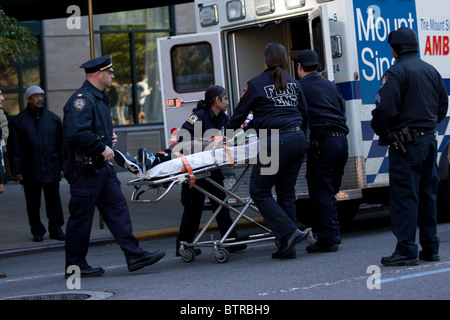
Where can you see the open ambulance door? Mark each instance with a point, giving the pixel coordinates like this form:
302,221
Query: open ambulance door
320,39
188,64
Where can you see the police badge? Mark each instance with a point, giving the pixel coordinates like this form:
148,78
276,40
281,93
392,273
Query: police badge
79,104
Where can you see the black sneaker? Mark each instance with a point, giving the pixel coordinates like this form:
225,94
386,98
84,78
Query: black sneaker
145,259
127,162
399,260
145,159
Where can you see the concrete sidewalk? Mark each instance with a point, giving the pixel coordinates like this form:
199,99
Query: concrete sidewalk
150,220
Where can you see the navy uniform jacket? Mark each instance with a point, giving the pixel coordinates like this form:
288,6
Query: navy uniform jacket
326,108
35,146
208,119
87,121
271,109
412,94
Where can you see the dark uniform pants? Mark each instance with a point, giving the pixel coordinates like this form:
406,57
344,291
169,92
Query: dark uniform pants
324,175
101,190
280,215
193,202
53,207
413,181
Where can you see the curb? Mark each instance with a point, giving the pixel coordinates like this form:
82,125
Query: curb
140,235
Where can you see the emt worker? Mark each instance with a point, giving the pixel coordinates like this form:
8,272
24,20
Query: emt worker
277,102
210,115
88,139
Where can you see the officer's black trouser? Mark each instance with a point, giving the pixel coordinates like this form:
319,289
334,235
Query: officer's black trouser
53,207
413,180
193,202
101,190
324,175
286,159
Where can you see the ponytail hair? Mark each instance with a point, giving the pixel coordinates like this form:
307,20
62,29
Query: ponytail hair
211,93
276,57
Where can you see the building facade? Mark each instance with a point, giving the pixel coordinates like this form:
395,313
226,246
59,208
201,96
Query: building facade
130,38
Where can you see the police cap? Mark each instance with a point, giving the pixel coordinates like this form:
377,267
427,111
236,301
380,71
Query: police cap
103,63
308,58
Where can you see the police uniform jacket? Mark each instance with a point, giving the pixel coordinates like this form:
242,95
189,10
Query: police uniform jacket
326,108
87,121
271,109
208,119
412,94
35,146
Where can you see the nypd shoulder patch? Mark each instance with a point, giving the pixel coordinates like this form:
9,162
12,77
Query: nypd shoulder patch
79,104
384,80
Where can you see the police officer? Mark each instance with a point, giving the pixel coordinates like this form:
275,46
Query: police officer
277,102
328,153
211,118
412,100
88,139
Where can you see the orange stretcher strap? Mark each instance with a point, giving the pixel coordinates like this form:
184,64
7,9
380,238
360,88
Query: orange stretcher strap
187,167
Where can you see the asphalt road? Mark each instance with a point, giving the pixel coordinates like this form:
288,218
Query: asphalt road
251,277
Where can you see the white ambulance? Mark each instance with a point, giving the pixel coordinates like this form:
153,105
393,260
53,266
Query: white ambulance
350,37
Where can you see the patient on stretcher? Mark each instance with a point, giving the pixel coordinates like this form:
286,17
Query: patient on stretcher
145,161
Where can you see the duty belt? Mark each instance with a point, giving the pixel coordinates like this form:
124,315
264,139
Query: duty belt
292,129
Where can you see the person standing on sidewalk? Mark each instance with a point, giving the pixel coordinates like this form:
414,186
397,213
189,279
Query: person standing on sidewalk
34,149
88,143
2,188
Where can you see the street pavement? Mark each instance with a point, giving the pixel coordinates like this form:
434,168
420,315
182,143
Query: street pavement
150,220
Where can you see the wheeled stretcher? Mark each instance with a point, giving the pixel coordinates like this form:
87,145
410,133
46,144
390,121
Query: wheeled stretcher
191,168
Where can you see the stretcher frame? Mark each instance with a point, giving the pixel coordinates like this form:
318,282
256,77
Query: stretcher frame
219,246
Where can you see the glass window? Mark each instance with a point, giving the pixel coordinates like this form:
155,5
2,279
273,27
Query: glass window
130,38
193,67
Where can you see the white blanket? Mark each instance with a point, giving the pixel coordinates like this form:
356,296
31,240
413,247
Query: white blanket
245,153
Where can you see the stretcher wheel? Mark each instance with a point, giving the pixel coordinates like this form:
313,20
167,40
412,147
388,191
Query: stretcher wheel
188,255
222,255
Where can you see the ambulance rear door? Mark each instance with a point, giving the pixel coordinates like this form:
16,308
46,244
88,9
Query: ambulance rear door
320,39
188,65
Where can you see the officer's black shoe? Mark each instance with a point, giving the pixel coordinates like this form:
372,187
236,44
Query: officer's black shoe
429,256
58,235
127,162
398,260
287,244
38,238
145,259
88,272
318,247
